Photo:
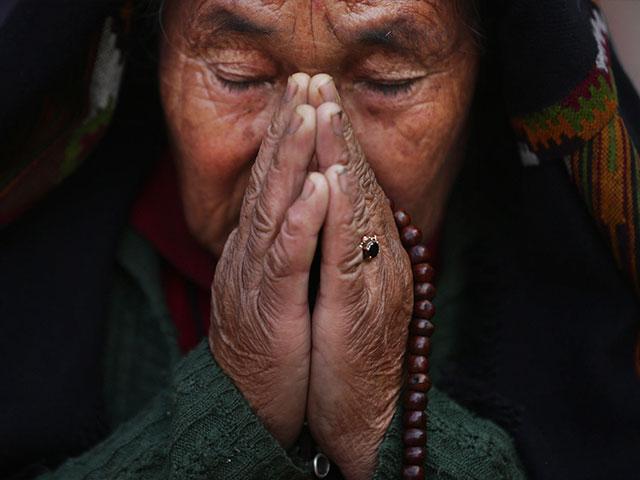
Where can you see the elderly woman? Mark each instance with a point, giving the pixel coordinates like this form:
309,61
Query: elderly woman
300,133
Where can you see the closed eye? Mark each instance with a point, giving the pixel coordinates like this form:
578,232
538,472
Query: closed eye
243,85
392,88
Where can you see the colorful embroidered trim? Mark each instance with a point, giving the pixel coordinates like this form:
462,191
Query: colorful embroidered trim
606,171
586,129
561,128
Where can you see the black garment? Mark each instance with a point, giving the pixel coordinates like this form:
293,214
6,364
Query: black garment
564,338
56,261
41,46
550,353
56,266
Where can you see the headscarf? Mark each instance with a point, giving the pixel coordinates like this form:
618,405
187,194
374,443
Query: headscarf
567,110
63,65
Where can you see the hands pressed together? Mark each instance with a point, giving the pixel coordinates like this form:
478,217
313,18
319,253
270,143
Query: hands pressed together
340,365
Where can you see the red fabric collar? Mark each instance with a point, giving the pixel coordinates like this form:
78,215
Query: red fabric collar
158,216
188,270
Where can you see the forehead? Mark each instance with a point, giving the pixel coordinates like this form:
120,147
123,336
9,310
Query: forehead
411,25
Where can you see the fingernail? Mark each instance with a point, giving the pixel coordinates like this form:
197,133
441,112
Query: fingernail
328,92
295,123
343,179
308,189
292,89
337,123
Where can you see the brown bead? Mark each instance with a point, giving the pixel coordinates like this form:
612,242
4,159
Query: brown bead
419,254
424,291
418,382
414,437
423,272
403,219
424,309
413,472
418,364
421,326
415,455
419,345
410,236
414,400
414,419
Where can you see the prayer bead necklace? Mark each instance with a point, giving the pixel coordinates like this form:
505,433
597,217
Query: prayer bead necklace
418,382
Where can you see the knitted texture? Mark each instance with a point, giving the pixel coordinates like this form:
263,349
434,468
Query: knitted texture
199,428
460,446
198,425
586,129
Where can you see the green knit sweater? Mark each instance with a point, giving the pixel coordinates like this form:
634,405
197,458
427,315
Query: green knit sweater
183,418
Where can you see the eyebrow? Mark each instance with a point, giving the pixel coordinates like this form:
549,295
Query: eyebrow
220,20
398,35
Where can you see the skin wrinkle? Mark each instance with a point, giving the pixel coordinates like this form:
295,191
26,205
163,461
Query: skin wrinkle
257,170
405,144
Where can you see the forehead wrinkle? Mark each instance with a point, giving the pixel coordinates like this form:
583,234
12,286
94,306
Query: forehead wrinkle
398,32
236,16
220,20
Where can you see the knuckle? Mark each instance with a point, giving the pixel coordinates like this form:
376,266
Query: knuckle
278,263
274,131
344,157
246,210
249,270
254,184
359,213
263,221
350,265
293,225
259,168
349,134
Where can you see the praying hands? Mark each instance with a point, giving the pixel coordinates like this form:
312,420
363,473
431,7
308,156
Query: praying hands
340,365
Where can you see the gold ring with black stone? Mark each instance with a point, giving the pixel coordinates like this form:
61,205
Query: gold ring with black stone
370,247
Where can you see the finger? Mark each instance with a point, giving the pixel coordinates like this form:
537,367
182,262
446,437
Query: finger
283,181
295,95
341,270
288,261
333,148
322,89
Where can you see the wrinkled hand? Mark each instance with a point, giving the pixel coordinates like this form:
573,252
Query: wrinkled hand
361,316
260,325
343,365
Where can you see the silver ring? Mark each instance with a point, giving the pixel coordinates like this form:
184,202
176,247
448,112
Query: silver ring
370,247
321,465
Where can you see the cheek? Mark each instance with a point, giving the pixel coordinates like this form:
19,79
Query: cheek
214,135
415,152
407,152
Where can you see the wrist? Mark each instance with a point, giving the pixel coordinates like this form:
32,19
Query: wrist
355,452
356,456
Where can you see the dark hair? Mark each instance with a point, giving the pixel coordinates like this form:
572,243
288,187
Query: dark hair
475,14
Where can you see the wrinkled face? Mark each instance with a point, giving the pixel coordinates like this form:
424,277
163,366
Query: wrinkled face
405,70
